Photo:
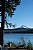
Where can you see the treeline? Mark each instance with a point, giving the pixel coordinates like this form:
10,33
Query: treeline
20,44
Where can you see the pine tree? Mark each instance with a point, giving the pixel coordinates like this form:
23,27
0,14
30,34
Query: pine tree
29,44
23,42
8,6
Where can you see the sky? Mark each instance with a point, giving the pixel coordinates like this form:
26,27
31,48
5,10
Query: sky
23,14
16,38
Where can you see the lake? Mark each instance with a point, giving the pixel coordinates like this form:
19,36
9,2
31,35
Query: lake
16,38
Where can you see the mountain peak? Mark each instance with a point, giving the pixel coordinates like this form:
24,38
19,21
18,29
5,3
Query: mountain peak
23,26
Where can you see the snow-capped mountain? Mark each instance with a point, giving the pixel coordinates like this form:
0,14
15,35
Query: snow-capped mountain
23,26
22,29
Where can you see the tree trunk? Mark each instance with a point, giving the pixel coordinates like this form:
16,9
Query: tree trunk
2,23
1,37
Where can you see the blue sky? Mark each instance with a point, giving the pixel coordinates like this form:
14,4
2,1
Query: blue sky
16,38
23,14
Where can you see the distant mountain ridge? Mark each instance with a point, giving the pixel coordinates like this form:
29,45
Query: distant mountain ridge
23,29
23,26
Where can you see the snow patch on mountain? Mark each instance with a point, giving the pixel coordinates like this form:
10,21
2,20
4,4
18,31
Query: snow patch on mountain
23,26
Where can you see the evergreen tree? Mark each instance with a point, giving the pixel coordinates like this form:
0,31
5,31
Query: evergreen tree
29,44
8,6
23,42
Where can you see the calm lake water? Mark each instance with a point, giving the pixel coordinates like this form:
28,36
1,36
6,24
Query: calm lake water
16,38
